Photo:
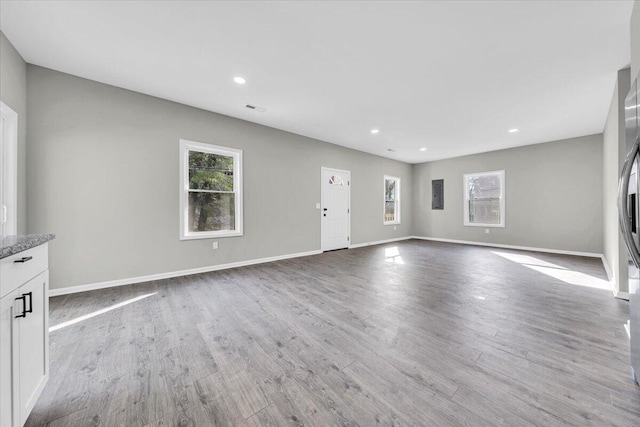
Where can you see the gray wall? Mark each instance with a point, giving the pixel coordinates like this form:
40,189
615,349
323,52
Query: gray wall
103,175
614,152
13,92
553,196
635,39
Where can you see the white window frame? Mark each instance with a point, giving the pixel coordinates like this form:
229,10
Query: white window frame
9,168
185,147
397,200
465,190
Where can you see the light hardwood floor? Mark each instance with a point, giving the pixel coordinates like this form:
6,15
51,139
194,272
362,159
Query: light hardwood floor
439,334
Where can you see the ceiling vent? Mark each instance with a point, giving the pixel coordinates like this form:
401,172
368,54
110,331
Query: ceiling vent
255,107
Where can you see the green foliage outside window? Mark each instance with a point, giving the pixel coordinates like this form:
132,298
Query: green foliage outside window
211,192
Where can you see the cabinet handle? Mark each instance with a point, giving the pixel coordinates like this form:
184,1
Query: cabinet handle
24,259
24,306
30,295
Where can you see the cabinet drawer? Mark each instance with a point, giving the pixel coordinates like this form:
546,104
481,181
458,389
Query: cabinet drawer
14,274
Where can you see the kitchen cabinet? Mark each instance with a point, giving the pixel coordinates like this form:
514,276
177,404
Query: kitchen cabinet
24,333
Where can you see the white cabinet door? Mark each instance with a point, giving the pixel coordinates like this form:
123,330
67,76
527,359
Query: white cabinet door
9,412
34,342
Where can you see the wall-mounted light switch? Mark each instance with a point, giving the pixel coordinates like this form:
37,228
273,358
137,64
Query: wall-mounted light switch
486,230
317,205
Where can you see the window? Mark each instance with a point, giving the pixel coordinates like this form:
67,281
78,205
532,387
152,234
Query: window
484,199
391,200
336,180
211,191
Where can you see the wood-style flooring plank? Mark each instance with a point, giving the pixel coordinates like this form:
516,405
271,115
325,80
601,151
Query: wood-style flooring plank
408,333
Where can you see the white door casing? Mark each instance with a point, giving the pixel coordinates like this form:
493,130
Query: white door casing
335,212
8,170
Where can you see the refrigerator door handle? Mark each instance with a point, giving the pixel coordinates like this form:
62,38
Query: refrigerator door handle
623,202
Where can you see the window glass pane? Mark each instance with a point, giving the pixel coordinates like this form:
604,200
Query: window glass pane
484,211
211,211
484,187
484,192
390,189
209,171
336,180
389,210
391,202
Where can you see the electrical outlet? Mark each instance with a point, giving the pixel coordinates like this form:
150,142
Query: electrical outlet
214,245
486,230
395,228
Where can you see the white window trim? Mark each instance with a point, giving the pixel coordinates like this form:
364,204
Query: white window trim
185,147
398,200
465,191
9,167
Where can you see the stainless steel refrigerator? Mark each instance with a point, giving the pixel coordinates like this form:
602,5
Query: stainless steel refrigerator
628,206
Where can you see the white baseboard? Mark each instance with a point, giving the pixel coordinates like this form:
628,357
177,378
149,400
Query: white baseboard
171,274
379,242
621,295
520,248
612,280
608,270
168,275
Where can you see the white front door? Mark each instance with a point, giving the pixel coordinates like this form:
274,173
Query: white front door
336,209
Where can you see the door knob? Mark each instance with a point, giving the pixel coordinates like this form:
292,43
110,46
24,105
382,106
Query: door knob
325,209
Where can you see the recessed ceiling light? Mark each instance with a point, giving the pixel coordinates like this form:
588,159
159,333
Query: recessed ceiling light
423,149
374,131
514,130
239,80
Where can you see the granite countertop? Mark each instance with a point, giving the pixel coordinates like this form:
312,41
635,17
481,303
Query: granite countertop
10,245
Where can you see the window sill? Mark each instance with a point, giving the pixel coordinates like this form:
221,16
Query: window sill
484,225
391,223
214,235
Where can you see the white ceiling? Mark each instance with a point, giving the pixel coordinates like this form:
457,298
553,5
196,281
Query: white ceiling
449,76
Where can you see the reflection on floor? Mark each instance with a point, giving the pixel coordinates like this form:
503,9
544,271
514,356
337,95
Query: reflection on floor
567,275
97,312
